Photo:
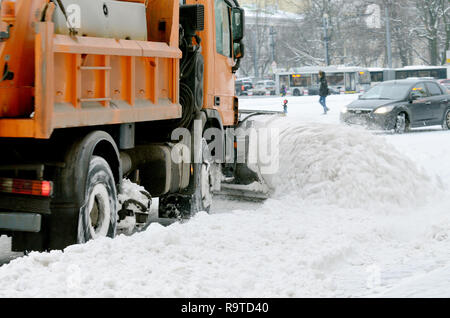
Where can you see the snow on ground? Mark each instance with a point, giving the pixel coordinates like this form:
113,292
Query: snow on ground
370,221
428,285
428,148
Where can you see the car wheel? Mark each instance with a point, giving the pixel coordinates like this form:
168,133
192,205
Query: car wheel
296,92
400,124
446,123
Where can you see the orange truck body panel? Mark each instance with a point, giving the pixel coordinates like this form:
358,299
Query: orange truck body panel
65,81
62,81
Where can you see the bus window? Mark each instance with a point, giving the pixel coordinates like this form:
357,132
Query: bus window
406,74
364,77
424,73
401,75
298,80
442,73
335,79
439,73
376,76
284,80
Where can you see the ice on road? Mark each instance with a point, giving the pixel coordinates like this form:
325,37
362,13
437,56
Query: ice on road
354,214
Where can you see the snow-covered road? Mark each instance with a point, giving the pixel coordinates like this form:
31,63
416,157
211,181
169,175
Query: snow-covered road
355,214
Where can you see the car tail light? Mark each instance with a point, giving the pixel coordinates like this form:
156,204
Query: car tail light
30,187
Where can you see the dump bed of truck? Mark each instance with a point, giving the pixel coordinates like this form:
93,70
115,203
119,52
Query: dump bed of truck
76,80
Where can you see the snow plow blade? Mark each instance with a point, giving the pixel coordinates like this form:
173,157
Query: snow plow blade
252,166
255,191
254,113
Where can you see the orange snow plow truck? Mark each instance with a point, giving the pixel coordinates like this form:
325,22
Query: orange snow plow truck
95,91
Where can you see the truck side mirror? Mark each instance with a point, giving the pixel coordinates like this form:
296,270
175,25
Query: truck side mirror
238,55
237,24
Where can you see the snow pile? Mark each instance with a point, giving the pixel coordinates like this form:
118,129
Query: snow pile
237,254
346,167
280,249
132,195
133,191
434,284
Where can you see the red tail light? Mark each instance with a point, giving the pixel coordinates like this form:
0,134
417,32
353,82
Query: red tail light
29,187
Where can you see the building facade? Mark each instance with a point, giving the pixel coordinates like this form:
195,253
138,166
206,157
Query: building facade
293,6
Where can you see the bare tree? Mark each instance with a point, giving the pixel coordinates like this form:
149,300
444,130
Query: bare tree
434,28
420,31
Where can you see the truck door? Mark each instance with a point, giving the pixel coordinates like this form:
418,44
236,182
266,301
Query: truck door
223,76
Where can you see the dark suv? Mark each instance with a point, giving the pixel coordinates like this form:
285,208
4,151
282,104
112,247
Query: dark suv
242,87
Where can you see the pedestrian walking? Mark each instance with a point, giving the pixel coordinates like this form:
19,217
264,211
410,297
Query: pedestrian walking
323,92
283,91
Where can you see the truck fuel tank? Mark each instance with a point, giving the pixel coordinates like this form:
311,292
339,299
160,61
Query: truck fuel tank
102,18
163,167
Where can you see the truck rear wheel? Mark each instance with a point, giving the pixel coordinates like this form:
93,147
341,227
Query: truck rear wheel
85,187
98,217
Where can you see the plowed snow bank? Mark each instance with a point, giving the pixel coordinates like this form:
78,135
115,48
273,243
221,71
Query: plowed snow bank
346,167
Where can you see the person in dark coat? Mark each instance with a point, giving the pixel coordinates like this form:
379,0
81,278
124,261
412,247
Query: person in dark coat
283,90
323,92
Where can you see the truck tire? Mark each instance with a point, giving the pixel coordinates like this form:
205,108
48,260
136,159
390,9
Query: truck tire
98,217
89,160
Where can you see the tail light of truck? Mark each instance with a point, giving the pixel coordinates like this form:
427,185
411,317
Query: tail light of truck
28,187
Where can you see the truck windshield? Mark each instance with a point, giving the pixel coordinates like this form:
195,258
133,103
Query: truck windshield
387,91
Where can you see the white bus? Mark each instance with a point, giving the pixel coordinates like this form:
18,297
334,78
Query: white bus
379,75
305,80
